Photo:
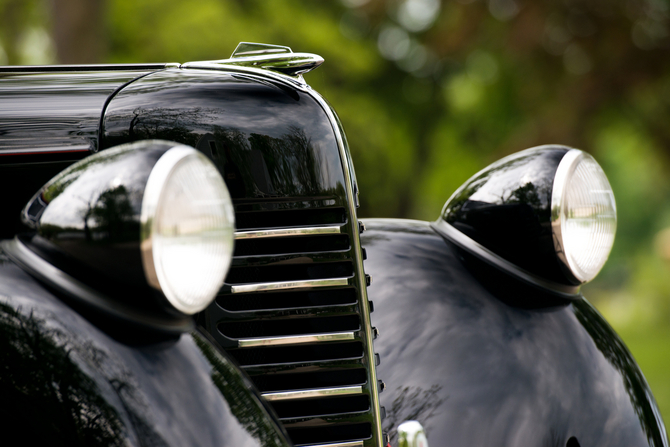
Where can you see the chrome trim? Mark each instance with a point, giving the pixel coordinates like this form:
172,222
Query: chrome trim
152,192
565,169
411,434
279,59
281,232
338,444
451,233
318,392
358,259
306,284
46,150
295,339
245,49
293,82
158,177
85,67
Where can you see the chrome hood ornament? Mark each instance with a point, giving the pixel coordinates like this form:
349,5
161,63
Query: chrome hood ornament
275,58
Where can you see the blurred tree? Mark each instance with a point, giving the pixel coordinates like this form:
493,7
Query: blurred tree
78,30
21,27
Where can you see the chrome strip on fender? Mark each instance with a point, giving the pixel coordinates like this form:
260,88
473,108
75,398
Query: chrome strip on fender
319,392
293,339
307,284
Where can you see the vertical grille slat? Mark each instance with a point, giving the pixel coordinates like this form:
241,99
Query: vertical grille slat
290,315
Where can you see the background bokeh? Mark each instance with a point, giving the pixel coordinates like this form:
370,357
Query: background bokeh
432,91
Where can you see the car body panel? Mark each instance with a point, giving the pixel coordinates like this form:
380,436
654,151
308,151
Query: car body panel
267,139
48,120
65,382
476,369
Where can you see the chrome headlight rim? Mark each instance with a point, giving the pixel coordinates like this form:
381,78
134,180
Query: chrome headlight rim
152,200
559,207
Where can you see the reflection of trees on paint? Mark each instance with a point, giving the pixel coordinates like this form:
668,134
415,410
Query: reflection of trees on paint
236,391
49,399
617,354
166,124
287,166
112,214
412,404
252,164
535,196
107,218
528,194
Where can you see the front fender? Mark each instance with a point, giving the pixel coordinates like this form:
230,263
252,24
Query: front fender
65,382
476,369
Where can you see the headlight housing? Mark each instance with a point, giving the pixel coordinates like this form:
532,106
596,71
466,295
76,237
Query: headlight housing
546,215
143,232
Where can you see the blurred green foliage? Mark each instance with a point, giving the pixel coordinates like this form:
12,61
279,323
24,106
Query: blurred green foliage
431,91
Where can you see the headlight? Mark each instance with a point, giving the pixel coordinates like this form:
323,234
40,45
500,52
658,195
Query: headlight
583,215
187,229
545,215
143,231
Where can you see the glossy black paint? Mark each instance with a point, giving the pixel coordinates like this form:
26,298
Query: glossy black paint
66,383
86,223
44,112
48,120
507,208
91,212
273,145
463,358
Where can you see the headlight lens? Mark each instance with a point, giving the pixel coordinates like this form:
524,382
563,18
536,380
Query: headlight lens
583,215
187,229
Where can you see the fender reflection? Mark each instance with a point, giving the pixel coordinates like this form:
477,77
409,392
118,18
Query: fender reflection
494,374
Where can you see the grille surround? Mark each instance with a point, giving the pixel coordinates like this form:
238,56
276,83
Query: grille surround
294,345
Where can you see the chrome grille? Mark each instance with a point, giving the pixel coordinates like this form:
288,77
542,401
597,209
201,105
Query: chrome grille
290,314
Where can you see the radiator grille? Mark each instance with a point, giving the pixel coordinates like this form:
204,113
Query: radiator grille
290,314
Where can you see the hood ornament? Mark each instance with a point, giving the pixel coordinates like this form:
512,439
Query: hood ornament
276,58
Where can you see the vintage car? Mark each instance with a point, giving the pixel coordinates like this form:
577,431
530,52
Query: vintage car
182,264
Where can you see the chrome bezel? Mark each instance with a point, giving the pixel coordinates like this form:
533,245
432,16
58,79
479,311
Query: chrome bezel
566,168
158,177
564,172
152,193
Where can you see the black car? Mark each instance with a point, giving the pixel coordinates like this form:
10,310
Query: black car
182,264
